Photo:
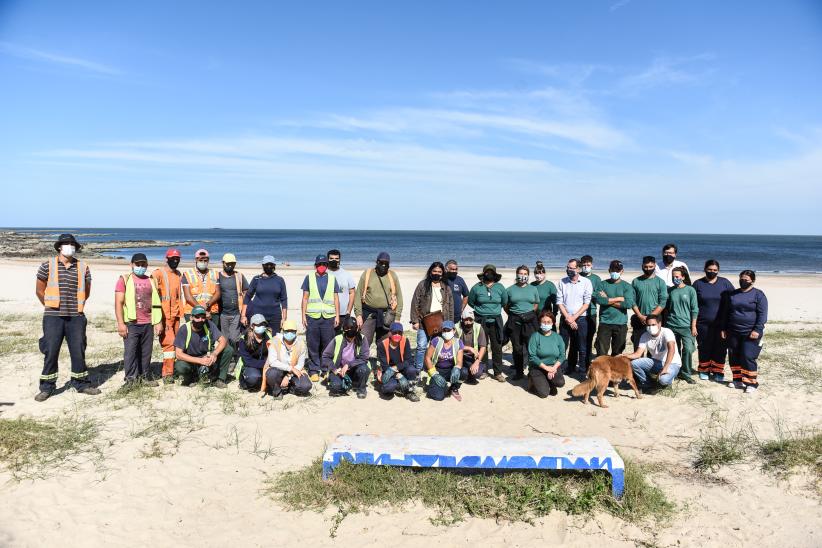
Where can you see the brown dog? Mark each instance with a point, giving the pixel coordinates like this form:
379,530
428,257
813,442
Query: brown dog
603,371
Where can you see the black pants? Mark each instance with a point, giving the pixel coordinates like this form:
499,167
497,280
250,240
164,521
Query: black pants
712,349
520,329
611,336
137,351
589,339
318,334
576,340
55,330
637,329
492,334
542,384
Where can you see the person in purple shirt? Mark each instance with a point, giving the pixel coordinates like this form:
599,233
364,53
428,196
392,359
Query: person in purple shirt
711,290
745,313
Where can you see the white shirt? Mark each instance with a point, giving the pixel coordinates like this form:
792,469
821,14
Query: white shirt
283,361
346,283
666,273
436,298
658,346
574,295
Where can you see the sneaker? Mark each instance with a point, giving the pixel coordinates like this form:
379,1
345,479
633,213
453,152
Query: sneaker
361,394
689,380
518,376
335,394
552,391
750,389
219,384
43,395
704,377
736,384
719,378
412,396
499,377
456,394
89,390
483,376
314,377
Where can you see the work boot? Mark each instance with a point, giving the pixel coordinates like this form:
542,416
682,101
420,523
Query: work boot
43,395
498,376
412,396
219,384
89,390
361,394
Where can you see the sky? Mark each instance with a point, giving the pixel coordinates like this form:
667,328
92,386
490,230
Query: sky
615,115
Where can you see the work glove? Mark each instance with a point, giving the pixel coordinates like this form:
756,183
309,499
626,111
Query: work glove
347,383
388,374
438,380
404,384
455,375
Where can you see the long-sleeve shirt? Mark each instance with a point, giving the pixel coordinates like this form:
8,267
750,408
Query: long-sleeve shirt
746,311
573,295
547,349
650,293
359,358
266,295
547,295
595,281
257,358
282,360
710,297
617,313
682,307
377,293
392,359
488,301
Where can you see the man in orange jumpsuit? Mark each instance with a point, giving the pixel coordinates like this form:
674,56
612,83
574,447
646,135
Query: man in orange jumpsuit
167,279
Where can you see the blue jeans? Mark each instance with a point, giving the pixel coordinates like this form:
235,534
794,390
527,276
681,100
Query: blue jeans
643,367
422,346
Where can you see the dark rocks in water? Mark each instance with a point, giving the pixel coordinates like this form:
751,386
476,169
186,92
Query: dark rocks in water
41,244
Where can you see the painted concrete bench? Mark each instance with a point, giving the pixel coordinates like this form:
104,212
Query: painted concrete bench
479,453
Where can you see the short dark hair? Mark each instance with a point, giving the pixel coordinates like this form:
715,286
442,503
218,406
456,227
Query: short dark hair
586,259
523,267
652,317
749,273
648,259
670,246
711,262
615,266
334,252
547,314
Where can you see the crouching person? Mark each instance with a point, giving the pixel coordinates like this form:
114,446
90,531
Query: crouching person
253,353
443,361
201,350
472,336
284,371
546,358
346,359
664,364
397,372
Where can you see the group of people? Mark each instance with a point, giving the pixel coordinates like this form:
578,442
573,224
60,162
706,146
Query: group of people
214,325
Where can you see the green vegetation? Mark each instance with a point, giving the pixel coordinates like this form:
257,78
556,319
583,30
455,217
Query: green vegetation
791,451
792,356
719,445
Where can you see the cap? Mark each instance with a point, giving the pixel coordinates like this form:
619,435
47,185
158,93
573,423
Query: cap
467,313
384,256
201,253
349,321
321,259
198,311
396,327
173,253
269,259
137,257
229,258
448,324
289,325
67,239
257,319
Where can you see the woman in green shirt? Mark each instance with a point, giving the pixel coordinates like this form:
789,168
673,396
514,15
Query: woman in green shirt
487,298
523,300
546,289
546,358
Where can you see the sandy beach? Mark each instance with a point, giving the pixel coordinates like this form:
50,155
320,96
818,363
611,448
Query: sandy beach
200,482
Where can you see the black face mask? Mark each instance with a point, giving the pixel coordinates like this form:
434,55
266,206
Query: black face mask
745,284
382,269
436,277
350,333
268,269
198,324
668,259
229,269
173,263
711,275
451,275
488,277
333,265
648,272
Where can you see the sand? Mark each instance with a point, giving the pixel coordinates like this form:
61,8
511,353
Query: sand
207,491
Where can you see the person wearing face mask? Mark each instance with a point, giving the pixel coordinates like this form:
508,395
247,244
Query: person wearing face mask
711,291
348,287
285,369
459,288
321,314
475,345
139,314
431,304
523,303
63,288
744,315
487,298
587,272
615,298
546,289
681,313
267,295
168,281
573,300
664,362
202,352
651,297
546,358
346,360
233,287
396,373
252,352
201,286
669,260
378,299
443,362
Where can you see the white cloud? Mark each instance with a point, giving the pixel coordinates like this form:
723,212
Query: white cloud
57,59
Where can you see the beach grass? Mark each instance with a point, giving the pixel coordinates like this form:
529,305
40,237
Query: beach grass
719,445
792,450
793,357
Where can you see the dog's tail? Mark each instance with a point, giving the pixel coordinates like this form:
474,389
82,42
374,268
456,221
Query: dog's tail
584,387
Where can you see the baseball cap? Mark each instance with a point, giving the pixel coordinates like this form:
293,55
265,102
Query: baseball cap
289,325
269,259
396,327
467,313
448,324
201,253
229,258
172,253
321,259
138,257
384,256
198,311
257,319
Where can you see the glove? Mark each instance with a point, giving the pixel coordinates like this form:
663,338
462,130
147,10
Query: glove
455,375
403,383
388,374
347,383
438,380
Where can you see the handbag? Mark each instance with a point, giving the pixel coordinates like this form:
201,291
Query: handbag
432,323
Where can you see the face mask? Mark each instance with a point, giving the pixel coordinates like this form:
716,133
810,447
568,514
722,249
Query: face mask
198,324
615,275
259,329
447,335
648,272
268,269
488,276
711,275
745,284
436,277
202,266
139,270
229,269
396,338
333,265
522,278
289,336
451,275
571,272
586,270
677,281
350,333
653,330
173,263
67,250
668,259
321,269
546,327
539,277
468,324
382,269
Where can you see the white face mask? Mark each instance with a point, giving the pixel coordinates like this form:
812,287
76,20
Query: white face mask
67,250
539,277
653,330
202,265
447,335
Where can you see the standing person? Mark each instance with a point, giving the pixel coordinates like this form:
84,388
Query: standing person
202,352
201,286
397,373
443,362
546,358
546,288
651,298
268,296
253,354
378,300
168,281
573,299
63,288
523,303
348,287
284,371
587,271
346,360
233,287
432,296
669,253
615,297
487,298
711,292
682,311
139,314
321,313
458,287
743,324
475,345
663,364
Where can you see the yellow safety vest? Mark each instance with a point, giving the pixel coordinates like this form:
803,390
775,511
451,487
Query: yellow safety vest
52,294
130,302
320,306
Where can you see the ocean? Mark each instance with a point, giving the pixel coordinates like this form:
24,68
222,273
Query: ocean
785,254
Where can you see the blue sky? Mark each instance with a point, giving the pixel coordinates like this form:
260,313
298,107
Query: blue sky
621,115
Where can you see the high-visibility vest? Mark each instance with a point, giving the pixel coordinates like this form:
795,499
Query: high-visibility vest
338,342
202,290
476,330
163,282
320,306
130,302
439,342
207,337
385,344
238,280
51,297
296,350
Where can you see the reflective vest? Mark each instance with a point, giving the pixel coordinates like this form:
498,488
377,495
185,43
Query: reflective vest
439,342
238,280
167,296
338,343
207,337
385,344
296,350
320,306
476,331
202,290
51,297
130,302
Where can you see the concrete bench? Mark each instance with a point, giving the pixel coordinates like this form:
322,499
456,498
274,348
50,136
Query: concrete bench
479,453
